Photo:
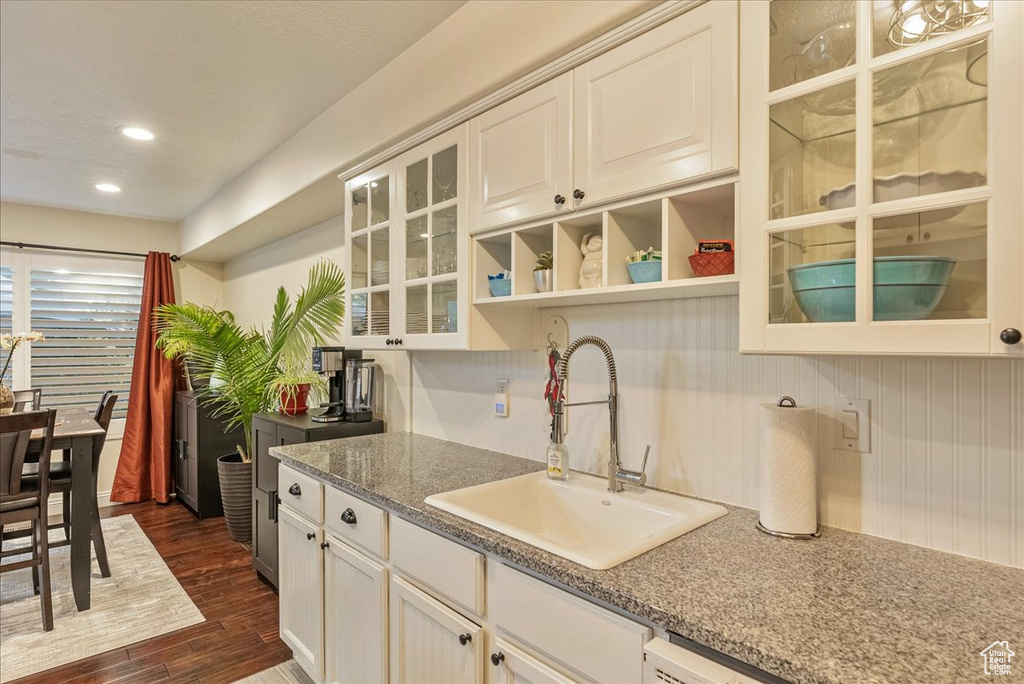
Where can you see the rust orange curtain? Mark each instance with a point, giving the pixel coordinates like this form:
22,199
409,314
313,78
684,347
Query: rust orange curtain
144,467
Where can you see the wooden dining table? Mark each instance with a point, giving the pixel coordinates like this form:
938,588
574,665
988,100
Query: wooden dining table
74,431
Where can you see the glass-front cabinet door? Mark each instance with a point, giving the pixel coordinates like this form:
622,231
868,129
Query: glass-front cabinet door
368,220
432,206
882,176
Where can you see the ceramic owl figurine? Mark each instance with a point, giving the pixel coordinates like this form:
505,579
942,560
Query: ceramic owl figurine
591,270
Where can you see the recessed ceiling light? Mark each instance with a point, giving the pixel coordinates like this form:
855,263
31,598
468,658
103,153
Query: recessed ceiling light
107,187
136,133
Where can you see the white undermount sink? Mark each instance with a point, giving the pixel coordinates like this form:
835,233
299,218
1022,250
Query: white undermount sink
579,519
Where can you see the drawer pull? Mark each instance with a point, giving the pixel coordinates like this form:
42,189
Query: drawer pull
465,638
295,489
348,516
497,658
310,535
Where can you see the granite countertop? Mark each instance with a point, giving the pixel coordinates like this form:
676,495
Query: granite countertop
843,608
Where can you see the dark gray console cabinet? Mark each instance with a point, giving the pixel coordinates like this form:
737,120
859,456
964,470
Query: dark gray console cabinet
199,440
273,429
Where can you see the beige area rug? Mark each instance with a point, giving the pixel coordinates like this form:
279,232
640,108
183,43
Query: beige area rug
141,599
285,673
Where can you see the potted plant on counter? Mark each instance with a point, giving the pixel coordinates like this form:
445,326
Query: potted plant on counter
254,364
294,385
542,272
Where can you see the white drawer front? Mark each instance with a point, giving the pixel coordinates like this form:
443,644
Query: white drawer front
356,521
450,569
601,645
300,492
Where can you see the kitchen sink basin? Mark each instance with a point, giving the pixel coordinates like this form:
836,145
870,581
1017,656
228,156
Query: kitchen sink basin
578,518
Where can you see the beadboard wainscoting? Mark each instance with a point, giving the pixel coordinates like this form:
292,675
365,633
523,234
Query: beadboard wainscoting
946,467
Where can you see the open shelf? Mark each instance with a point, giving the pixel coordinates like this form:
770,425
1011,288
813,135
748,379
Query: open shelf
672,223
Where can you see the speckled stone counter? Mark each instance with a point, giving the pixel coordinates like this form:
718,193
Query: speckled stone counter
846,608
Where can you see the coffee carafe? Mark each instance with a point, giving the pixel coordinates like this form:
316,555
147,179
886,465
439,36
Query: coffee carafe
330,361
360,381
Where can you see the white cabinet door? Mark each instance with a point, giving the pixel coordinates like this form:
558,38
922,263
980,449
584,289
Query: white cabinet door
301,590
521,157
512,666
659,109
430,643
355,616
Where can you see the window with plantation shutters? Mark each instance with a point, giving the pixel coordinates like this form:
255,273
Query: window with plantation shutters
6,316
90,319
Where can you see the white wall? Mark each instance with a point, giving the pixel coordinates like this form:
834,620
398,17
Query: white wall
196,281
946,468
251,282
478,49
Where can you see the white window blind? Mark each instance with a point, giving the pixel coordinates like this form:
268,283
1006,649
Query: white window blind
6,316
90,316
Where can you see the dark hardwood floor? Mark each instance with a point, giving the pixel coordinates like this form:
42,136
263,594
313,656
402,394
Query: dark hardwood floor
239,636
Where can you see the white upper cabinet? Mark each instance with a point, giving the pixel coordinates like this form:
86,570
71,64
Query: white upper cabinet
883,161
520,156
654,112
659,109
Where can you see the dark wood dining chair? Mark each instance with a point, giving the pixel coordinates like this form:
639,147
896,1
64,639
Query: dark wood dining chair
28,399
21,502
60,482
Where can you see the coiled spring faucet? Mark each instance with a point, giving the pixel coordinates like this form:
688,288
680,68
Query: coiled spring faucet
617,475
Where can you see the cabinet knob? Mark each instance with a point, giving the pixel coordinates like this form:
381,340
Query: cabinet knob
578,194
324,545
465,638
310,535
398,340
1010,336
348,516
559,200
295,489
497,658
389,341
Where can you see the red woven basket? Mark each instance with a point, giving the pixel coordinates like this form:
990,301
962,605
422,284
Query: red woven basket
712,263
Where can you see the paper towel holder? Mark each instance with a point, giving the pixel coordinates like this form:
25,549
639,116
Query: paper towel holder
788,402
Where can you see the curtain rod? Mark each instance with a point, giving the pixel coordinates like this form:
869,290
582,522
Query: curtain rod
30,245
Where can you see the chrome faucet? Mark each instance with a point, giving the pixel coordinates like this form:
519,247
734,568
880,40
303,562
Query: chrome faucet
617,475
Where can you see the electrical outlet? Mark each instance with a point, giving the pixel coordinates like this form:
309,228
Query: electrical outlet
501,399
502,386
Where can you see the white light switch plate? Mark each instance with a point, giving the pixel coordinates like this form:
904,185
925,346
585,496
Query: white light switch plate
852,427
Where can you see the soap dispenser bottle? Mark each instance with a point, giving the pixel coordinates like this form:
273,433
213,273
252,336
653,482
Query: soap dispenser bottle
558,461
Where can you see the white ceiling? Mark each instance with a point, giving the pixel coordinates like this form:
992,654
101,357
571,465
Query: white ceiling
220,83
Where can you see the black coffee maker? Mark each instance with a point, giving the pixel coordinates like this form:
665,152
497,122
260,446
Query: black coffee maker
330,361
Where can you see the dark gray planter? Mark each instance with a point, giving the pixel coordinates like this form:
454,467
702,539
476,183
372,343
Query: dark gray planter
236,495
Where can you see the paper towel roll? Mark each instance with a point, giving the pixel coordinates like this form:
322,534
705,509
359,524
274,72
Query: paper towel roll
789,470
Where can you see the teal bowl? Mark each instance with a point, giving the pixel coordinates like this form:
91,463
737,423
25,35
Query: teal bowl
645,271
906,288
501,287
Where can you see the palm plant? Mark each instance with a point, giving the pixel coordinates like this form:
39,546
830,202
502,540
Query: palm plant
249,363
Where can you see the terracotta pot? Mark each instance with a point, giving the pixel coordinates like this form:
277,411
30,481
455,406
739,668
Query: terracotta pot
295,405
236,495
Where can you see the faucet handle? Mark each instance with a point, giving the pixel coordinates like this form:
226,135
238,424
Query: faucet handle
647,452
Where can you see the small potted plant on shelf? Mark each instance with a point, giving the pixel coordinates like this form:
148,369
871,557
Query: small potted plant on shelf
294,384
254,366
542,272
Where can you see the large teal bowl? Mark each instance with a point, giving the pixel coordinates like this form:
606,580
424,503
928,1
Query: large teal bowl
907,288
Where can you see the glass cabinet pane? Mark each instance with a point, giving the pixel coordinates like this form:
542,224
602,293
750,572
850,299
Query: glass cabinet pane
931,265
380,313
930,130
808,38
416,236
359,262
416,310
416,186
811,142
380,256
444,245
359,315
380,208
445,316
446,173
897,24
360,207
812,274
